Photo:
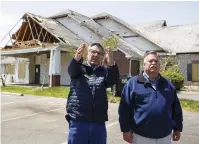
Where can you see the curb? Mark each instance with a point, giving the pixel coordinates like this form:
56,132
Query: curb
11,93
186,98
22,95
189,92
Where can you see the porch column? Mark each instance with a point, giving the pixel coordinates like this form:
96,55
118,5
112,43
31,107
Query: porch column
27,72
129,67
55,68
16,71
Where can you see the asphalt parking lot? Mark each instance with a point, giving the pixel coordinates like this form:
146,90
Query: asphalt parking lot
40,120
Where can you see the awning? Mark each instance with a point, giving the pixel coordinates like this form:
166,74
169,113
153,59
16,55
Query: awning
38,50
13,60
25,51
9,60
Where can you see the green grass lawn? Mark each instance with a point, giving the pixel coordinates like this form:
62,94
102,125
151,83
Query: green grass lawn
190,105
62,92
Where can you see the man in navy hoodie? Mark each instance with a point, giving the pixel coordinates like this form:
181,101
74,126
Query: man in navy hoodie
149,110
87,103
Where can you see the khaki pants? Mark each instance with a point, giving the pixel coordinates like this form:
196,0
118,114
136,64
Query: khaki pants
137,139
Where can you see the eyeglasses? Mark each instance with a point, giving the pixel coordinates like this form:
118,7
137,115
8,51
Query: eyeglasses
95,52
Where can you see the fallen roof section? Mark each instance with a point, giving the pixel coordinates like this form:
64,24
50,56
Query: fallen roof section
57,29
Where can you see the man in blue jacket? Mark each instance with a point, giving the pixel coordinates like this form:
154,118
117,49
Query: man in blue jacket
87,103
149,110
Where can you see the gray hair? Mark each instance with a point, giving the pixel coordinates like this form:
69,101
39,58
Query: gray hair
151,52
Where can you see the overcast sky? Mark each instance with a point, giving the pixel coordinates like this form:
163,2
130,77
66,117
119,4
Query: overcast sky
175,13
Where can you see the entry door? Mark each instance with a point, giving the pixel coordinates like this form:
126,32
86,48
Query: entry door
37,74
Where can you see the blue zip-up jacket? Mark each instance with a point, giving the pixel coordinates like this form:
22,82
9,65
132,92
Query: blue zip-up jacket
87,99
148,112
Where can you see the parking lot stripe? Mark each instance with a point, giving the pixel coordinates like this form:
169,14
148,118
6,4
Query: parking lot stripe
112,124
20,117
40,99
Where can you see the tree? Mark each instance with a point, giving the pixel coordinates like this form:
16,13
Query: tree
171,71
169,63
111,42
2,81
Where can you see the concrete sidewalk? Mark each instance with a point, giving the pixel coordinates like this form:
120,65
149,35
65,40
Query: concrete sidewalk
189,92
188,95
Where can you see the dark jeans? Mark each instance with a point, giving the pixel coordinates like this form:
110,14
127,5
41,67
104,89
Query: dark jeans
86,133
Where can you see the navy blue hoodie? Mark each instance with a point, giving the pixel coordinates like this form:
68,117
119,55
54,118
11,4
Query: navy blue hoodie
148,112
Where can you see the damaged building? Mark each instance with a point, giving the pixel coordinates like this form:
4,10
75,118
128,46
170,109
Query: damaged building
46,44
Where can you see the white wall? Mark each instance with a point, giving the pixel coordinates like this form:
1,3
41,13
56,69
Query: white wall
2,68
31,69
10,78
43,61
65,59
44,68
56,62
7,77
26,78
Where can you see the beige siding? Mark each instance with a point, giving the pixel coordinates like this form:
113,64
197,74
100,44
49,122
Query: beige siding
21,70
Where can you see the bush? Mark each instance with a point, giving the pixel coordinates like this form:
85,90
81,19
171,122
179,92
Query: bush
176,78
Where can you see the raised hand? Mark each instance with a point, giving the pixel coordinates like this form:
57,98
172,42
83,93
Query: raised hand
80,52
109,57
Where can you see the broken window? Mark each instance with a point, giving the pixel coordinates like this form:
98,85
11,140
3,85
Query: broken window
10,69
21,70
